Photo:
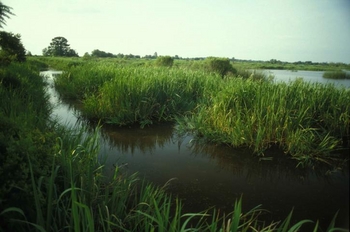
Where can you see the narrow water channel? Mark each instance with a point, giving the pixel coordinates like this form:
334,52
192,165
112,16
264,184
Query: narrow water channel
211,175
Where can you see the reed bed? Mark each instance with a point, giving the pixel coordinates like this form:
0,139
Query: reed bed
124,95
308,121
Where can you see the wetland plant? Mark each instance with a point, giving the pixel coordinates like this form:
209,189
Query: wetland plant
336,75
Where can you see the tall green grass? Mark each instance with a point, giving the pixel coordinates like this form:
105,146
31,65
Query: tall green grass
127,95
306,120
24,130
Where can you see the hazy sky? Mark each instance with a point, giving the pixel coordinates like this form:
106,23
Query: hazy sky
287,30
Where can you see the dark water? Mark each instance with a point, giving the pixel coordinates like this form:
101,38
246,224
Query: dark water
211,175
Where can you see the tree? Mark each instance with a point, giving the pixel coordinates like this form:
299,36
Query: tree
59,47
11,48
98,53
5,12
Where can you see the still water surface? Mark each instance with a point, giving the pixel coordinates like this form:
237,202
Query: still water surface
308,76
212,175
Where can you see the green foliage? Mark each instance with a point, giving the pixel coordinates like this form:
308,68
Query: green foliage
59,47
257,75
24,131
164,61
58,63
133,95
295,66
5,12
37,63
98,53
299,117
222,66
11,48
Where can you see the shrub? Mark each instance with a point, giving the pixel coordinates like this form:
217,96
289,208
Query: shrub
222,66
165,61
11,46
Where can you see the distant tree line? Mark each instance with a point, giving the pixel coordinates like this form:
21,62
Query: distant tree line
103,54
60,47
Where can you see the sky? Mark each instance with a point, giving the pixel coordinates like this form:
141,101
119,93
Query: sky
286,30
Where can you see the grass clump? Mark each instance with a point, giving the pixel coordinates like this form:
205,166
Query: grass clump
164,61
297,117
127,95
336,75
222,66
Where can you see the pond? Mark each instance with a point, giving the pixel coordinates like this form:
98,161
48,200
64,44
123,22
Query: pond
309,76
216,175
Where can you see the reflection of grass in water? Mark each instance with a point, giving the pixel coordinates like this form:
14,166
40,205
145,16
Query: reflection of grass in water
130,139
273,165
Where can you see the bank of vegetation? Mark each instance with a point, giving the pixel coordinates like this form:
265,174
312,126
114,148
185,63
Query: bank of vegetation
52,179
308,121
336,74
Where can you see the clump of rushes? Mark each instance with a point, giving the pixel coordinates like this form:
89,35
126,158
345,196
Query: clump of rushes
164,61
77,82
144,95
222,66
306,120
336,75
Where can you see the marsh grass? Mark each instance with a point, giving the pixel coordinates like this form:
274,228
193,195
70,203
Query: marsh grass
127,95
308,121
296,116
336,75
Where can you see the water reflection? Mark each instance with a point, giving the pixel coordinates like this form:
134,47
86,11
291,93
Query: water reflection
135,142
274,165
308,76
209,175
